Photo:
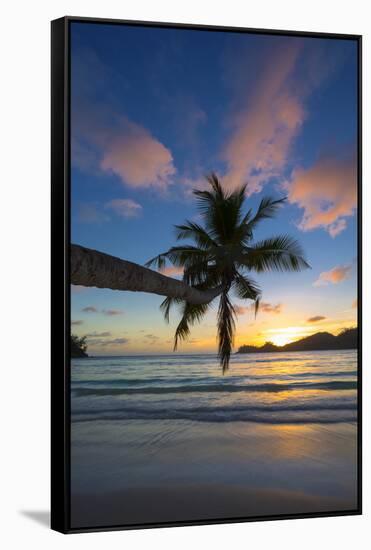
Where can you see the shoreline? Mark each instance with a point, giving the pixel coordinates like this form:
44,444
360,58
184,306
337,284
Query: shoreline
211,354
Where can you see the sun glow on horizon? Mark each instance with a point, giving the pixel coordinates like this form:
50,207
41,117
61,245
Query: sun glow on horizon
281,340
283,336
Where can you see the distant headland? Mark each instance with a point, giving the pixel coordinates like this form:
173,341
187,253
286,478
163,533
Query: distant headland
320,341
78,346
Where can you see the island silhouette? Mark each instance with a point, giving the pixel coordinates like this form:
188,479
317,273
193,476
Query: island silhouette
320,341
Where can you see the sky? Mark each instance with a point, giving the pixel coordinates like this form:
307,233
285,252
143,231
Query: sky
153,110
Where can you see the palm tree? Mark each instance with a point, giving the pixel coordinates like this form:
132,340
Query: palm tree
222,256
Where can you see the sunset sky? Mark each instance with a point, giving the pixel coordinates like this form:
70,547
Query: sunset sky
153,110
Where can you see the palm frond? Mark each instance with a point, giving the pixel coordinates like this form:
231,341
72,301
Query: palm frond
206,199
246,217
238,196
257,305
180,256
167,304
210,206
187,255
202,275
221,211
245,288
267,208
191,314
226,330
159,262
282,253
198,234
213,179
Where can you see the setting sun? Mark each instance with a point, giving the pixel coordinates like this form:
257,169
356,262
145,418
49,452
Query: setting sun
282,336
281,339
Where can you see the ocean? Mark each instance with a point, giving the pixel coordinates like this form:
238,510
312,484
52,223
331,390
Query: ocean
276,434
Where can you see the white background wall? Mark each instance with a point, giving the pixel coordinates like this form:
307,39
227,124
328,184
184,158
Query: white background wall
24,272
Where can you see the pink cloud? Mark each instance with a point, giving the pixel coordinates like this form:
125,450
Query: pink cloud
190,183
334,276
327,192
139,159
126,208
263,131
90,309
316,319
112,312
104,140
270,308
89,213
241,310
264,307
109,312
337,227
272,112
110,342
172,271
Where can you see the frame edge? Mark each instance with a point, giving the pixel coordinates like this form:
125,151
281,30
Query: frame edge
59,520
60,450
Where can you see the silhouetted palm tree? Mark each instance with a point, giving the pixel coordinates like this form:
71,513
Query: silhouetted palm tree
223,254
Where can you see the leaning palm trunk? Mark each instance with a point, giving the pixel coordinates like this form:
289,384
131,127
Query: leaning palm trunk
92,268
217,263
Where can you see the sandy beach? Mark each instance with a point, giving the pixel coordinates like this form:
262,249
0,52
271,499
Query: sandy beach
210,471
195,503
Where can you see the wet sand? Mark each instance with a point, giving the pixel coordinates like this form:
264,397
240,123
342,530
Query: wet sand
195,502
202,471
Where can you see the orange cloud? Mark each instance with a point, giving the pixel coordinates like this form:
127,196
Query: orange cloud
172,271
270,308
316,318
334,276
271,114
264,307
126,208
355,304
112,312
327,192
111,342
104,140
139,159
264,130
241,310
96,334
89,309
89,213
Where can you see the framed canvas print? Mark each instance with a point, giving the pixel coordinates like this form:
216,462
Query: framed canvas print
206,281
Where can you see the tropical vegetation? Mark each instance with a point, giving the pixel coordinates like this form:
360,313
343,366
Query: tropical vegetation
221,254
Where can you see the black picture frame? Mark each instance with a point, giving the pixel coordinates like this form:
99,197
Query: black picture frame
60,270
